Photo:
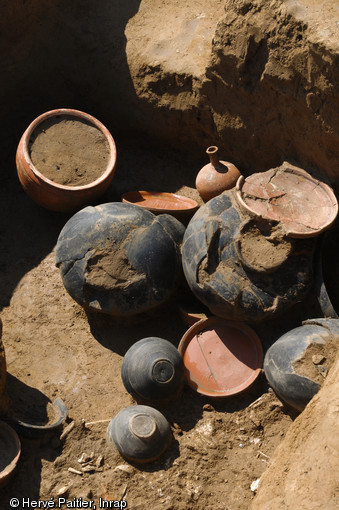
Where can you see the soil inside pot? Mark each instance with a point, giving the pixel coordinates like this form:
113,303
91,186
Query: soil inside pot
317,360
262,245
69,150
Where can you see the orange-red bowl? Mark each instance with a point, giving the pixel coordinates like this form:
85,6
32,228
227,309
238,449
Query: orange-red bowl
54,196
221,358
161,202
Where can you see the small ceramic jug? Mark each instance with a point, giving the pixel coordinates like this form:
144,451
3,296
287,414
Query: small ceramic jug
216,177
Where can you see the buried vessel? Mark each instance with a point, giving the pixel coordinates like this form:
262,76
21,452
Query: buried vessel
120,259
247,254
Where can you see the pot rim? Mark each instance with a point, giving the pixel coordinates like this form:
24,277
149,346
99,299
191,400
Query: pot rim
72,113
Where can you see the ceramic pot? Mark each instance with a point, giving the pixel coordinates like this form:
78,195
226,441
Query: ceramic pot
49,194
216,177
152,369
279,364
140,433
225,278
120,259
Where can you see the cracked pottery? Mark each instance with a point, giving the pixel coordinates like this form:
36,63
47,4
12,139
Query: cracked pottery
279,363
120,259
227,278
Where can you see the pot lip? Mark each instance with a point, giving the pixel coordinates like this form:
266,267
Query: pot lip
72,113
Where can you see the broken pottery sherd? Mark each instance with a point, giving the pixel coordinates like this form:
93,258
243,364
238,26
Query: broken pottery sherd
283,361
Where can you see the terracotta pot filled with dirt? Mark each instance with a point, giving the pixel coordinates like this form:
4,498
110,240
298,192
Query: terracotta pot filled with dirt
65,159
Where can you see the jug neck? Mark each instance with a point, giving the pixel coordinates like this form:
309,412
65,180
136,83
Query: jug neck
213,153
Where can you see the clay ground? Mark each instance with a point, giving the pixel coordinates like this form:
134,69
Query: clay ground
54,349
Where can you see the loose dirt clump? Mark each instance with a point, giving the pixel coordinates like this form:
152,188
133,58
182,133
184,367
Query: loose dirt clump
69,151
317,360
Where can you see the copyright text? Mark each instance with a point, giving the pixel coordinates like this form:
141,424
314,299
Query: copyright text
24,503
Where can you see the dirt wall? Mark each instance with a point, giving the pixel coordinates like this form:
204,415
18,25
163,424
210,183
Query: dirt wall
258,78
303,472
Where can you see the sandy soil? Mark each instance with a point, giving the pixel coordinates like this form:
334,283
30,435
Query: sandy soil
69,151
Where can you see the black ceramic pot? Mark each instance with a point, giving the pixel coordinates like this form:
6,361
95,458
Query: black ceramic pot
297,390
119,258
152,369
225,276
140,433
327,273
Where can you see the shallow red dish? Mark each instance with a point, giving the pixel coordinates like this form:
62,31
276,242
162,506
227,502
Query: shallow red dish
221,358
288,194
160,202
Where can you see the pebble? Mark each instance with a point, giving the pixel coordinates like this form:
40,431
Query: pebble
63,490
124,467
84,457
208,407
255,485
99,460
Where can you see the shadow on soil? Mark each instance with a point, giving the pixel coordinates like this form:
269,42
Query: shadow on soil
30,406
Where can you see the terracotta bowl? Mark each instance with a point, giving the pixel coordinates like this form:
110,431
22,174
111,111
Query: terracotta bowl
162,202
221,358
10,449
303,205
54,196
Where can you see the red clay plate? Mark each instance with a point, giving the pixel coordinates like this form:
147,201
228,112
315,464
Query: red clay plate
288,194
160,202
221,358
